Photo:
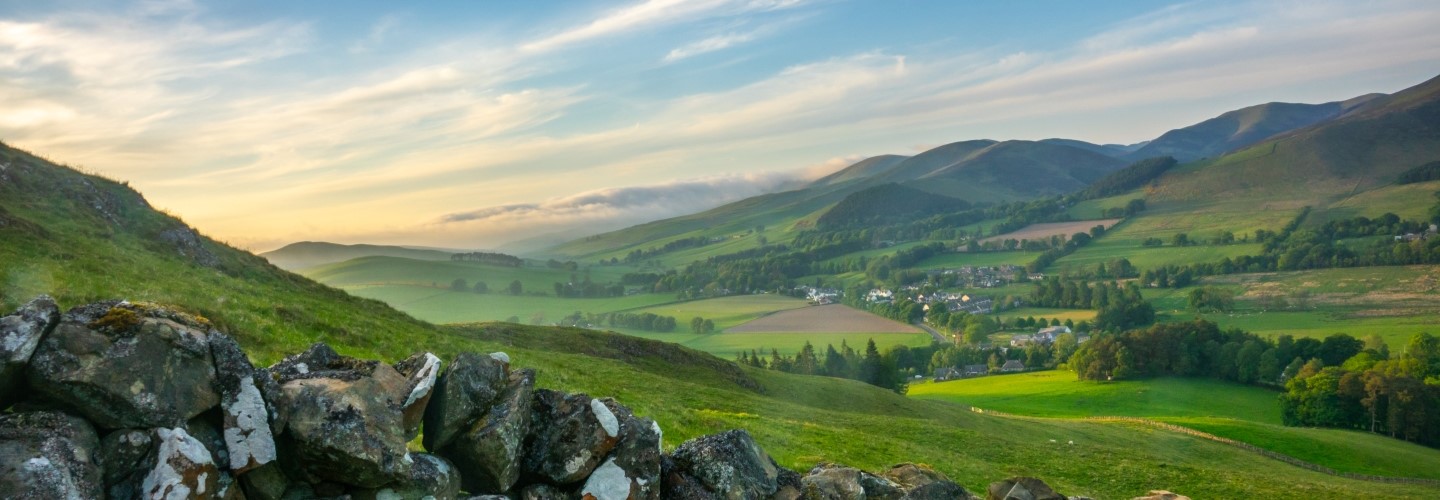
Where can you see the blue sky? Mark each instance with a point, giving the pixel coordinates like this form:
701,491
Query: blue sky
469,124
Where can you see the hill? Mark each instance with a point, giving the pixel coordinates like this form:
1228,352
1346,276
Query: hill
1115,150
315,253
1015,170
860,170
1243,127
887,204
81,238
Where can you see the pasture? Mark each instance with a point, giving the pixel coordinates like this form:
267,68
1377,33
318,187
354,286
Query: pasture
1243,413
1045,230
726,312
442,305
833,318
726,345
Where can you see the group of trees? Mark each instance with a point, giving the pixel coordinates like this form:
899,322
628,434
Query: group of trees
1372,390
649,322
888,370
587,289
639,255
495,259
1121,307
1035,356
701,325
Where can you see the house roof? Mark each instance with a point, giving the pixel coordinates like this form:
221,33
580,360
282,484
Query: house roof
1013,364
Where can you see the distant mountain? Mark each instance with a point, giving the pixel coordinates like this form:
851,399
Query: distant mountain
1370,145
1013,170
314,253
1114,150
1243,127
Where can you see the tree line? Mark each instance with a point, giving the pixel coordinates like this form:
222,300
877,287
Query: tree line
887,370
497,259
1120,307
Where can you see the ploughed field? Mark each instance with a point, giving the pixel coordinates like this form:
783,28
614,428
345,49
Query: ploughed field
1047,229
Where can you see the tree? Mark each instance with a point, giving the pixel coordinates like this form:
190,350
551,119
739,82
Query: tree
516,288
537,318
707,326
459,285
805,361
481,287
697,324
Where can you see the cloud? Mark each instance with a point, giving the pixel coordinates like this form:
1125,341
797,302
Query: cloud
615,207
712,44
652,13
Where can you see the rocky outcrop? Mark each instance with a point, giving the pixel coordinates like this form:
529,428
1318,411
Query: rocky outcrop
150,402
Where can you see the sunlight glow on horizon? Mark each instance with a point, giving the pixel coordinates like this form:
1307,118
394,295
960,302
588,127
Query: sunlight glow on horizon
469,126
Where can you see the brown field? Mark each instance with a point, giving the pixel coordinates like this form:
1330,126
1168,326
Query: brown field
1048,229
833,318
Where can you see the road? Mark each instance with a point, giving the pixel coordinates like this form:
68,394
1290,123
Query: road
938,337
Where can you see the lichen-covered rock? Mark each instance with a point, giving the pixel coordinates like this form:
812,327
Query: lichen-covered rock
465,390
183,469
633,469
343,418
489,453
570,434
421,370
837,482
126,456
430,477
266,482
20,334
727,465
249,442
788,485
48,455
676,482
924,483
1162,495
542,491
206,429
124,365
1022,488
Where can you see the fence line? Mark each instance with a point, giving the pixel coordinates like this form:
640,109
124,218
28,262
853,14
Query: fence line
1238,444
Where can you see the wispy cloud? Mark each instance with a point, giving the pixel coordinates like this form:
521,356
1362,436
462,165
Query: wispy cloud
712,44
652,13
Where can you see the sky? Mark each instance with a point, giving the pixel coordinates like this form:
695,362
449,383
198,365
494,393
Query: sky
476,124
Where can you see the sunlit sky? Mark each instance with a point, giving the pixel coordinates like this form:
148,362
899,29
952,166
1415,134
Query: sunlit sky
471,124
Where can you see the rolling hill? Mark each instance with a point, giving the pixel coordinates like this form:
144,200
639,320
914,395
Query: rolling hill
82,238
315,253
1243,127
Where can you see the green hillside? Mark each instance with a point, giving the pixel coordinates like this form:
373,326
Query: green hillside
314,253
1243,127
83,238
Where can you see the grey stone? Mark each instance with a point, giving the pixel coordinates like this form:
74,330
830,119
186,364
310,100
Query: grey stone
20,334
126,456
249,441
421,371
124,365
924,483
829,481
570,434
633,469
343,418
183,468
48,455
489,453
542,491
728,465
1022,488
465,390
266,482
430,477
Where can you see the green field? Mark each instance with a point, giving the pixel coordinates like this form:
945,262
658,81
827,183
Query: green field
1076,315
1056,393
401,271
1243,413
441,305
957,259
726,311
727,345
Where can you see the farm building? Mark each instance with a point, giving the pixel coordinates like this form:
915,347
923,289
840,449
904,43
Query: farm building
943,374
976,370
1013,365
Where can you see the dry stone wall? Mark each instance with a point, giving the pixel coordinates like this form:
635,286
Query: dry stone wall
126,401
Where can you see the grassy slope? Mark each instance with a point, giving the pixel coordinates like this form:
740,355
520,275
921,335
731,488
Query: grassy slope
55,242
1243,413
314,253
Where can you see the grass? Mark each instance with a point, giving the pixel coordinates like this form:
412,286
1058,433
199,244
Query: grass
1076,315
1243,413
726,311
441,305
401,271
727,345
957,259
56,242
1057,393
